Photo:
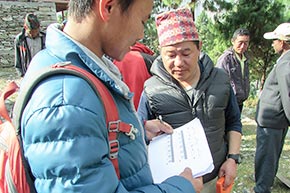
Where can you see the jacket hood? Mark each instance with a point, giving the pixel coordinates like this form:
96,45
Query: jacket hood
74,52
206,66
159,70
142,48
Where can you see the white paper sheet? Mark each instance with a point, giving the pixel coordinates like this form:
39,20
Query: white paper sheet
186,147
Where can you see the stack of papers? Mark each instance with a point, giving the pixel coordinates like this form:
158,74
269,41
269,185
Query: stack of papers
187,147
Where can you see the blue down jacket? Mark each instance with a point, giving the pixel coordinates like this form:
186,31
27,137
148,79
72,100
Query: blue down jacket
64,130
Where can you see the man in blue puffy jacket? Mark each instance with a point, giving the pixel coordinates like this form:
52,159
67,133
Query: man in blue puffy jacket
64,130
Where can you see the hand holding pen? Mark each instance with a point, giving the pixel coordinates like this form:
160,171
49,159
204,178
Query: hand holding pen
157,127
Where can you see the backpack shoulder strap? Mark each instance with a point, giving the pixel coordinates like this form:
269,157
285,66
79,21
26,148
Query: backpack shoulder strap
114,124
11,88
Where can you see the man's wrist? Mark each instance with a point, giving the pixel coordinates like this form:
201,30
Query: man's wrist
236,157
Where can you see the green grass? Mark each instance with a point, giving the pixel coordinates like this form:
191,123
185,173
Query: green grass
245,178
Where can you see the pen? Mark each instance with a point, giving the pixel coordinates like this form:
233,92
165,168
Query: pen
160,119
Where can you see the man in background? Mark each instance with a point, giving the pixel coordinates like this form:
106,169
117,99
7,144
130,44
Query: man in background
235,62
27,43
273,112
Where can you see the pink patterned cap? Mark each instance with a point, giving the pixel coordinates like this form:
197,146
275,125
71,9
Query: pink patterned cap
176,26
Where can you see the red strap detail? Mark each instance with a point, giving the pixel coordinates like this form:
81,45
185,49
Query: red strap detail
119,126
112,117
22,48
8,90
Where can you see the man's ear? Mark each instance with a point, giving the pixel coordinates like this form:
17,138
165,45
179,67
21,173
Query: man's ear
200,45
105,8
233,41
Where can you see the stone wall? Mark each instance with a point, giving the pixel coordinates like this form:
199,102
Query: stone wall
11,22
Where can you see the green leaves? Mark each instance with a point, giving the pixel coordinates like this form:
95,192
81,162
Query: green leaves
221,18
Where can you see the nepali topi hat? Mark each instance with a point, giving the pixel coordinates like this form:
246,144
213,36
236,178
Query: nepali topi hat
175,26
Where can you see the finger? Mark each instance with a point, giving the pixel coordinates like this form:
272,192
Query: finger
221,173
199,178
149,136
166,128
187,169
228,181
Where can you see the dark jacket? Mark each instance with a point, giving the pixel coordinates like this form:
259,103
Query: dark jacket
273,110
22,51
214,104
239,82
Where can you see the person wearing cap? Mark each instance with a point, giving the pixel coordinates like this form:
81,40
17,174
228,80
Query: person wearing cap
27,43
235,61
273,112
64,129
185,86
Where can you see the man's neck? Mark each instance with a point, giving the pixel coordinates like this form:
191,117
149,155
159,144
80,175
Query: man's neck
240,55
193,81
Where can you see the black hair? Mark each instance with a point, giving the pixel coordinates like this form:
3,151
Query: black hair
196,42
78,9
241,32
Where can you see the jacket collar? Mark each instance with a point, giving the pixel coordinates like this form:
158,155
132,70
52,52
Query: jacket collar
79,55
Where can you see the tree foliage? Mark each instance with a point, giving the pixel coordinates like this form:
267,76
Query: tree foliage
259,16
150,35
222,17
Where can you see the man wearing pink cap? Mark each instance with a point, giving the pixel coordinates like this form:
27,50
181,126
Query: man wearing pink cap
183,87
235,61
273,112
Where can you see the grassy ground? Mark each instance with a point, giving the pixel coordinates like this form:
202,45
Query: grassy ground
7,75
245,178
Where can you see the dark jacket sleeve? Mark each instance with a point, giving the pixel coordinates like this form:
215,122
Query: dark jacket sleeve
283,80
233,115
17,60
